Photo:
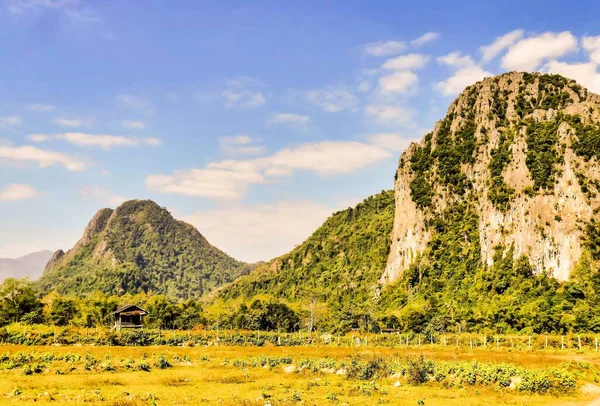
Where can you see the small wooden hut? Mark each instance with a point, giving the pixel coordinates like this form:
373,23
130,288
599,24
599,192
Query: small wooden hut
129,316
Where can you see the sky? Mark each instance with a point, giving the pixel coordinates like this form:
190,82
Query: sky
253,121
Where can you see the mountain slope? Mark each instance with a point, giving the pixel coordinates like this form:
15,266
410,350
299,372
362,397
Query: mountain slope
340,263
140,247
27,266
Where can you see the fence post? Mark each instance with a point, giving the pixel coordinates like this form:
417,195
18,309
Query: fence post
485,341
471,343
497,341
579,342
546,345
419,340
529,342
562,342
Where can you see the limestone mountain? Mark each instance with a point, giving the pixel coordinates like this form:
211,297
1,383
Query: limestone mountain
27,266
139,247
519,153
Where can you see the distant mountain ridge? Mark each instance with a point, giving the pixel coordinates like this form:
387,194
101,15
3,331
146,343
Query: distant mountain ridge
28,266
140,247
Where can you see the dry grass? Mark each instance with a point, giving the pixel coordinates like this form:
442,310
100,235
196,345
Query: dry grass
211,378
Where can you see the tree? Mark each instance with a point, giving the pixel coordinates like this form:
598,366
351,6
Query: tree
18,298
62,311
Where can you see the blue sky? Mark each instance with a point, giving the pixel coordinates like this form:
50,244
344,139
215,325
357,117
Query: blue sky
254,122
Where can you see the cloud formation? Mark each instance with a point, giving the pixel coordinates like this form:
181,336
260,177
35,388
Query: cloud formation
240,145
289,119
230,179
383,48
103,141
333,99
425,39
406,62
489,52
466,72
260,232
17,191
43,158
390,115
529,53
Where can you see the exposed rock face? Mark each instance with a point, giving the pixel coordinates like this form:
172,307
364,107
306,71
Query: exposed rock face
56,256
526,149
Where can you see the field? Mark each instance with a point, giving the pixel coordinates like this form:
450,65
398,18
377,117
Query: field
304,374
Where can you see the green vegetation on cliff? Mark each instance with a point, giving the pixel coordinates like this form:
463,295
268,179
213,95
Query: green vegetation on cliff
339,264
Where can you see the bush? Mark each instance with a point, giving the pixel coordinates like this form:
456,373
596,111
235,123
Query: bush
417,371
162,362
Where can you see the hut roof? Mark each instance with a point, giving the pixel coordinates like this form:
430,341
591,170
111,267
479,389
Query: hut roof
130,309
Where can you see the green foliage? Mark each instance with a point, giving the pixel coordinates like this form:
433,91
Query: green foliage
542,152
587,141
499,193
339,264
140,248
62,311
18,302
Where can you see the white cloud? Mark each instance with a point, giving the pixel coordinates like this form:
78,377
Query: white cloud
383,48
39,137
461,79
397,82
42,157
406,62
456,60
364,86
137,102
212,183
391,141
65,122
528,54
104,141
42,108
592,46
17,191
585,74
425,38
489,52
153,141
466,73
240,145
333,99
10,121
102,194
260,232
230,179
133,125
291,119
19,6
243,99
389,116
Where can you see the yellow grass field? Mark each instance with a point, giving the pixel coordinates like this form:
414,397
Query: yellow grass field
230,375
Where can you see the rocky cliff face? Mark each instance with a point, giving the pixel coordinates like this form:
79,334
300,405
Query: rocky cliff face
521,152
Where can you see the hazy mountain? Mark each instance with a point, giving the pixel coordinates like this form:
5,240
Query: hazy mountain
28,266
